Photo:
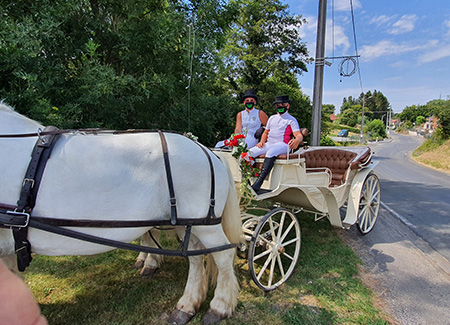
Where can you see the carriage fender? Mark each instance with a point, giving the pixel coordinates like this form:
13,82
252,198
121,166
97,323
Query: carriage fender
355,194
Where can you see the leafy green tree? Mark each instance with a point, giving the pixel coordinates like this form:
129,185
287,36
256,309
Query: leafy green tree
444,120
420,120
377,129
111,64
350,116
264,39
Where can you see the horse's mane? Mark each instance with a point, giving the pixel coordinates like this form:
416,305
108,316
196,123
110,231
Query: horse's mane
5,107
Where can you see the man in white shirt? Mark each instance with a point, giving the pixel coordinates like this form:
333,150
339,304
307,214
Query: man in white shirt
282,134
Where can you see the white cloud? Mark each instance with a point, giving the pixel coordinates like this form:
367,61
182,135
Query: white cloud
308,33
381,20
344,5
388,48
404,25
447,25
341,40
436,54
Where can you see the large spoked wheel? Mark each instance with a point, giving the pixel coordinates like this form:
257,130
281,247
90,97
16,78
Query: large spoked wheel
369,204
274,249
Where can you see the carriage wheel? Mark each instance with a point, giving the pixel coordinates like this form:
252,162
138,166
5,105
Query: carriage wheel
369,204
274,249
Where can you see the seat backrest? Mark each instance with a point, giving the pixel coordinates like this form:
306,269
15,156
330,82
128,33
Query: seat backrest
337,160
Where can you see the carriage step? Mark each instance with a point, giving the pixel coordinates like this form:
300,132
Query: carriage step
346,225
262,191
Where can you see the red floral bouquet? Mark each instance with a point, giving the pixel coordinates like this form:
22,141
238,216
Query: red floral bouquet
246,162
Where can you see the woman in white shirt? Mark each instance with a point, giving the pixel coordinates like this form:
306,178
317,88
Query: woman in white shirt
249,120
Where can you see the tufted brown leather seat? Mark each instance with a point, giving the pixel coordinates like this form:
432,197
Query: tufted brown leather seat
337,160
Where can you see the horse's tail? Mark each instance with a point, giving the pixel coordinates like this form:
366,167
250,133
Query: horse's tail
231,222
231,217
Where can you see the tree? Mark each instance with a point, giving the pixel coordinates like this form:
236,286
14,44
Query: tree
377,129
444,120
111,64
420,120
264,41
264,51
376,104
350,115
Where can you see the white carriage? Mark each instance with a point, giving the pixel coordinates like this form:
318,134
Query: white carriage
319,180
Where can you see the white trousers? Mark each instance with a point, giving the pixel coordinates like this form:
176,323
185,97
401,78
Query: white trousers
270,150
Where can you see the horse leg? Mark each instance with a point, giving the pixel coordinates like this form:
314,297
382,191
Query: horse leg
195,290
227,287
11,263
149,263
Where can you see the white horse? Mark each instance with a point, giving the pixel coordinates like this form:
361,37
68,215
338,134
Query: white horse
122,177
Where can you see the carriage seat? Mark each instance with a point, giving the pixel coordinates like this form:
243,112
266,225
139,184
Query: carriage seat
337,160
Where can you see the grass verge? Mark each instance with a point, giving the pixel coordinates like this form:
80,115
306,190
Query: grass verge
104,289
435,154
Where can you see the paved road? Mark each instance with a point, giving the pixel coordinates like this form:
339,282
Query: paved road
407,253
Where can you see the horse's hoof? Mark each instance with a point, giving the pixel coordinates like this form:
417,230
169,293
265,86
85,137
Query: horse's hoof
212,317
179,317
138,265
147,271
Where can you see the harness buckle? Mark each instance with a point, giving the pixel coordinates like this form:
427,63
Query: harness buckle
19,214
28,180
39,131
173,202
212,202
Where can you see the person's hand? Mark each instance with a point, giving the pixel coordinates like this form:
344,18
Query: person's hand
261,144
294,143
17,306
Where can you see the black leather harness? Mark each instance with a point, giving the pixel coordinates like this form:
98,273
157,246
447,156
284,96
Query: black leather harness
19,218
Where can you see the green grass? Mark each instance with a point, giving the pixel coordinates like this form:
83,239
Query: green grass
104,289
428,145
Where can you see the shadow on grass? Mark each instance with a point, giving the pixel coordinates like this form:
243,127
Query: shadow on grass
103,289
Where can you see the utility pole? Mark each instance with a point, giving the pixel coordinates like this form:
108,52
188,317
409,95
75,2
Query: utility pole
318,73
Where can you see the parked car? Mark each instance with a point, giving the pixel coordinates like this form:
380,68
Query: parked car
343,133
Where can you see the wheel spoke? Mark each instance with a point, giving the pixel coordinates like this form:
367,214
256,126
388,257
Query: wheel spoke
280,230
272,267
263,269
272,230
287,231
288,256
290,242
261,255
280,266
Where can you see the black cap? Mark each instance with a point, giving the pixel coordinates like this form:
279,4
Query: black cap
250,93
282,99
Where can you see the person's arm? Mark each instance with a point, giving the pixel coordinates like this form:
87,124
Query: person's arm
295,142
263,139
238,128
263,117
17,302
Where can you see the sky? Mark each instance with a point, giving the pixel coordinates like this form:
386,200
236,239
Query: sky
404,49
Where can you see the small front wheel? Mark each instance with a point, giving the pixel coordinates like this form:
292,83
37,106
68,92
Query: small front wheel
369,204
274,249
